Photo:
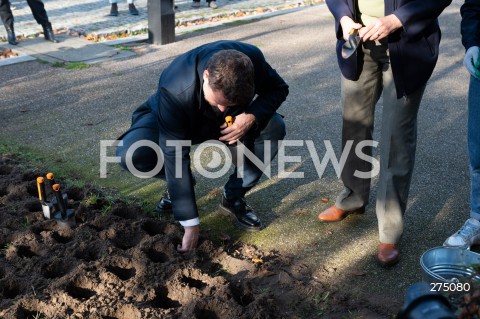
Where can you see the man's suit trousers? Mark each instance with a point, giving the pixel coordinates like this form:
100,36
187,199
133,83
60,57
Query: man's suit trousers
397,142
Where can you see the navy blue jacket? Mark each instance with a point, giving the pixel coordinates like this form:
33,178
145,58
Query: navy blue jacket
183,113
470,25
413,48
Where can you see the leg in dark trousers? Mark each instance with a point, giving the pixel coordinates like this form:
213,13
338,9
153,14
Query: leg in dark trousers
273,132
144,159
6,14
7,19
39,13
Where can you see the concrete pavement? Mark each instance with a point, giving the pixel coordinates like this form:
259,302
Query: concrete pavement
73,21
64,114
91,16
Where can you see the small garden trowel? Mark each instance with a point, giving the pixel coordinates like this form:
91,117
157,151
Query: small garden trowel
352,44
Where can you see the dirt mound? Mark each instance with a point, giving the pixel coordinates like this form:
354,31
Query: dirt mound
118,262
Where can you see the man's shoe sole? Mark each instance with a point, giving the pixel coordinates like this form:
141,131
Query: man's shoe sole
238,223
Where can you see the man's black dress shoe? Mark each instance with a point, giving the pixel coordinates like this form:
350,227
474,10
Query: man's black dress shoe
12,39
246,218
48,34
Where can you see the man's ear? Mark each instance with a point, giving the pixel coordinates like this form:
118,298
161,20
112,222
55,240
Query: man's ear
205,75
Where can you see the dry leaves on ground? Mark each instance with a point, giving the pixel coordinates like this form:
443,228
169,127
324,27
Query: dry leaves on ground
7,53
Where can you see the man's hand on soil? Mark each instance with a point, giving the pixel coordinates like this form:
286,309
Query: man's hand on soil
190,239
243,123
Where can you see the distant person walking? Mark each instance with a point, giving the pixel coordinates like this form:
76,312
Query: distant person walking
469,233
212,4
114,8
39,13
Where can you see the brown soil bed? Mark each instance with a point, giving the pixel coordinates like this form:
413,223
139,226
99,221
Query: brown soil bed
119,262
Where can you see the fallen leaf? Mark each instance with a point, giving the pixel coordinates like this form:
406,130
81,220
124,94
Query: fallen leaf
358,273
257,260
325,200
266,273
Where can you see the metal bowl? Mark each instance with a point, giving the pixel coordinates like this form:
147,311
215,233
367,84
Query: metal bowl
448,264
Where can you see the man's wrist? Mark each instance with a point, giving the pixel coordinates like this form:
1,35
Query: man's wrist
345,19
251,117
397,23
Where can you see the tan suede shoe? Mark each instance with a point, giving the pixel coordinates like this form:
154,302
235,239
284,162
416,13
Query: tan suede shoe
335,214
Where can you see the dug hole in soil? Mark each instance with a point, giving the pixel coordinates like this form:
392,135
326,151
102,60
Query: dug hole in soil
124,264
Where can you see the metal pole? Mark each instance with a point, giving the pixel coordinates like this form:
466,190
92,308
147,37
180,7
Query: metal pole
161,22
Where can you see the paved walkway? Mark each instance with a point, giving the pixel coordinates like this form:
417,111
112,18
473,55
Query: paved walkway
91,16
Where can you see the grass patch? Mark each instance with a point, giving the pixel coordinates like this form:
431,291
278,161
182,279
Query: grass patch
77,66
122,47
71,65
193,31
105,211
143,193
91,200
42,61
21,152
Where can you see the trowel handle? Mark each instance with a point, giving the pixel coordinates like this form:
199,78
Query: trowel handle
41,189
60,201
51,179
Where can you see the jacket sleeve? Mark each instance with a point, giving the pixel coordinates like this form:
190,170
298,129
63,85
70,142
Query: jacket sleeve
174,131
470,26
270,88
418,15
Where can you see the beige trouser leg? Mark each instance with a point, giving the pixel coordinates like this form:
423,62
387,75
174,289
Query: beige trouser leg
397,143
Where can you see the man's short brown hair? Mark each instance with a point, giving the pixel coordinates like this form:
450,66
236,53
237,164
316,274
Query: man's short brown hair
231,72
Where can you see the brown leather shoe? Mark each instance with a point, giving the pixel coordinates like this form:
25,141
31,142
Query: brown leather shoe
335,214
388,254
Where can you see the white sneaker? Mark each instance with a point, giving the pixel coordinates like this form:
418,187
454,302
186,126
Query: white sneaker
467,236
212,5
196,4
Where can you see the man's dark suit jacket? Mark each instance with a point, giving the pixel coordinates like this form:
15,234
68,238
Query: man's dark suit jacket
183,113
413,48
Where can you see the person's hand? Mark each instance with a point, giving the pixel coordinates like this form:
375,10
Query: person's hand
231,134
472,61
348,24
380,28
190,239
